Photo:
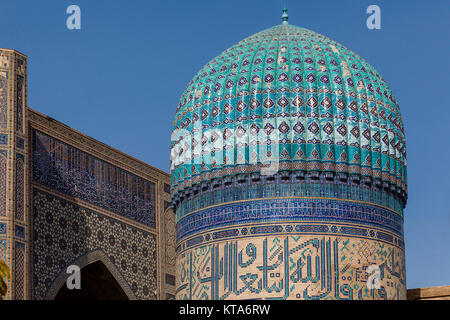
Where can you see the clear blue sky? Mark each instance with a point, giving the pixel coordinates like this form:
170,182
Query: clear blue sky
119,80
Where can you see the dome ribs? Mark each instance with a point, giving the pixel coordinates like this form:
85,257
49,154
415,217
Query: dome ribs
292,93
283,120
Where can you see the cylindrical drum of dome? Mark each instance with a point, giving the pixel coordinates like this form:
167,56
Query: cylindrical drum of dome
288,168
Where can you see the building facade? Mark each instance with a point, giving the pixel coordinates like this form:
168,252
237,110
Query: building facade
288,181
67,199
288,171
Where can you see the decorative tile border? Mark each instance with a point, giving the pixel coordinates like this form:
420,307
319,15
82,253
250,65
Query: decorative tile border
298,210
285,185
291,228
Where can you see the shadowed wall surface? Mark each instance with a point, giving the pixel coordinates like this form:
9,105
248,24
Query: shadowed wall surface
97,283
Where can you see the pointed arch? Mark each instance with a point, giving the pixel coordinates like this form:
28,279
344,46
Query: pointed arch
83,261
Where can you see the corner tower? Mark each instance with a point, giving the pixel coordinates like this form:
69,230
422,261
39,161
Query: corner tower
14,222
288,170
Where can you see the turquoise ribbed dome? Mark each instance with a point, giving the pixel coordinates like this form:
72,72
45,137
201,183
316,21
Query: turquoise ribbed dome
292,93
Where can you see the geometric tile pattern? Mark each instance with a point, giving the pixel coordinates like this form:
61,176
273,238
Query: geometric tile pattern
3,139
3,249
170,234
4,252
211,195
3,180
64,231
20,187
19,102
3,98
286,228
295,210
19,271
19,232
79,174
20,143
320,106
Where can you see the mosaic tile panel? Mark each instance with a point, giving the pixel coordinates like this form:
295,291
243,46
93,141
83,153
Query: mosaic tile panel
19,103
19,232
3,249
20,187
170,235
295,210
79,174
3,99
286,228
170,279
359,235
20,143
3,185
3,139
296,266
291,187
3,253
19,271
64,231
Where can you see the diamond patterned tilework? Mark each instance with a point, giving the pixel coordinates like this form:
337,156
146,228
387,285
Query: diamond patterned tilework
293,76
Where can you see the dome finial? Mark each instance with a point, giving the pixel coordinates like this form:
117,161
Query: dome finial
285,16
